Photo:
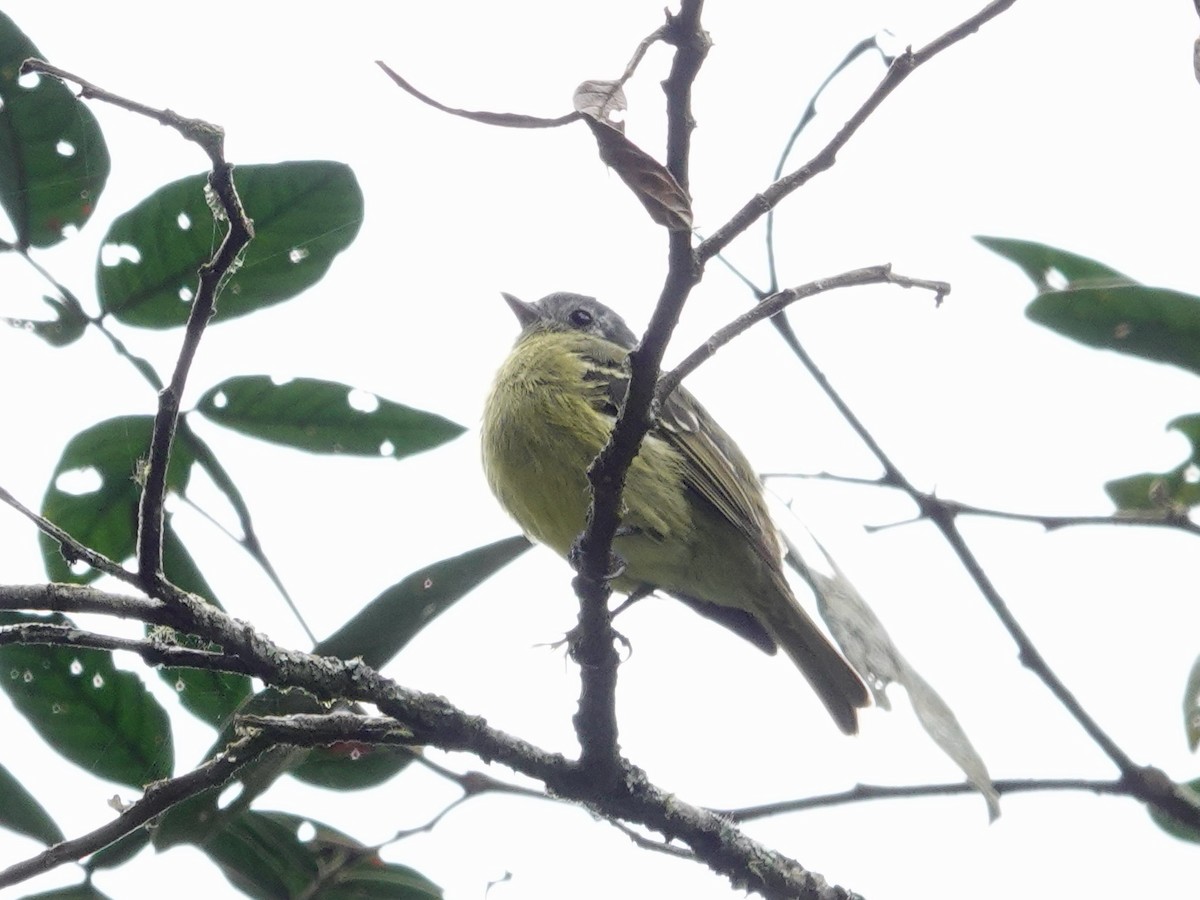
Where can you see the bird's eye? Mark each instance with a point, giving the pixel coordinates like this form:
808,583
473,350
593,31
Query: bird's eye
580,318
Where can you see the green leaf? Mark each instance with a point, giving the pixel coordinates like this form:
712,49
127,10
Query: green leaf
94,491
1173,826
20,812
1191,707
262,857
66,327
1156,491
99,717
323,417
305,214
53,159
210,696
119,852
352,766
1154,323
1048,267
382,628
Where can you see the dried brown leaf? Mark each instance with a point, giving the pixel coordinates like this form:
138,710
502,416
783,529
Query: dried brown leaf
601,100
656,188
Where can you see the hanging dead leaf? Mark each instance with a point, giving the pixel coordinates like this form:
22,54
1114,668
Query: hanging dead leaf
870,649
601,100
651,183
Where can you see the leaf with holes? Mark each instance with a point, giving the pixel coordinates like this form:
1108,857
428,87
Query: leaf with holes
382,628
1050,268
99,717
1157,324
324,417
305,214
1177,488
93,494
67,326
53,159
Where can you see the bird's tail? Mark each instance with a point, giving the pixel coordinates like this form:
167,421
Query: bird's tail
836,683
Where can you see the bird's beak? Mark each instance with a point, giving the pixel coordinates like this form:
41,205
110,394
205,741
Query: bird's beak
526,313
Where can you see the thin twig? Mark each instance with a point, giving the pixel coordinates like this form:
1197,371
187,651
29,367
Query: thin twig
152,652
211,139
71,549
863,792
157,799
772,305
903,66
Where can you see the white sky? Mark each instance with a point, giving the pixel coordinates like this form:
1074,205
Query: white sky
1073,123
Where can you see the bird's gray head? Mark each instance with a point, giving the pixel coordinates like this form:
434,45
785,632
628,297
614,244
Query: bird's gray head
572,312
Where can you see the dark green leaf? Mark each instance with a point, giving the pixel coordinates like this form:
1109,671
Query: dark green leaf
305,214
93,494
119,852
211,696
99,717
1173,826
20,812
1156,491
391,620
262,857
318,416
196,819
352,766
1153,323
53,160
67,327
1051,268
350,870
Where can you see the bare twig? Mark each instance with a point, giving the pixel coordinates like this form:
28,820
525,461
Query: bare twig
863,792
157,799
781,300
903,66
154,653
211,139
72,550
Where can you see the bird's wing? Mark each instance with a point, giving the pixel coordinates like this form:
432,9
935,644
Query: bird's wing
717,470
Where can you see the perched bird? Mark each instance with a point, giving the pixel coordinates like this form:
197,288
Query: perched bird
694,523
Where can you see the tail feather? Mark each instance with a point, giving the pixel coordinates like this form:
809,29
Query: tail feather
836,683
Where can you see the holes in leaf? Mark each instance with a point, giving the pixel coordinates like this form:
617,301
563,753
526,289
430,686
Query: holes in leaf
1055,279
1192,474
184,221
114,254
297,254
64,148
76,667
363,401
97,681
219,400
69,230
387,448
29,80
77,482
185,294
228,795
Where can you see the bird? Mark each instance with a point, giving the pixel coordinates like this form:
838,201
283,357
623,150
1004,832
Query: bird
694,522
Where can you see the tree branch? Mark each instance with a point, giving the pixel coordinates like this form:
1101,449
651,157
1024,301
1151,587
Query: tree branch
903,66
